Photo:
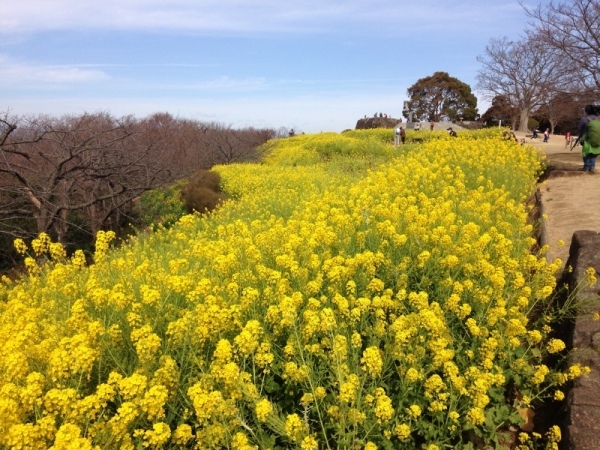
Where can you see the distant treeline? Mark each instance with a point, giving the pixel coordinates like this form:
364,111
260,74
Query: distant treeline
75,175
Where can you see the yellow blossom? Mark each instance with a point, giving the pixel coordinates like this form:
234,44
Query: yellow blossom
555,346
309,443
263,409
402,431
295,428
371,361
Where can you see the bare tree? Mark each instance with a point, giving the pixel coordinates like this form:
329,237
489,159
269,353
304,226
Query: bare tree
85,172
225,145
6,128
571,28
91,162
523,71
180,142
15,213
560,108
200,145
136,161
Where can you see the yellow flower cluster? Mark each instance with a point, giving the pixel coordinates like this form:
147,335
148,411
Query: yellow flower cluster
326,304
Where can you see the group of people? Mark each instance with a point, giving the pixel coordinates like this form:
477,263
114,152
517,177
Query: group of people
534,134
418,126
400,135
588,129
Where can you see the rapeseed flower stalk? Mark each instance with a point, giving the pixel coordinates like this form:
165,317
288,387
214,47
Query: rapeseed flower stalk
326,306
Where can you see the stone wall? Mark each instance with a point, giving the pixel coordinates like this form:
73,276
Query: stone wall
582,407
377,122
579,415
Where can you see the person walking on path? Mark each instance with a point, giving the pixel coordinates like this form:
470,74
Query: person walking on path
431,125
589,136
568,139
546,134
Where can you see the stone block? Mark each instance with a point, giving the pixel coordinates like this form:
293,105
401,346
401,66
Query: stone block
584,431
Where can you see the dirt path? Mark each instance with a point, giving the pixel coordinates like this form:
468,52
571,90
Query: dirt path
571,202
569,196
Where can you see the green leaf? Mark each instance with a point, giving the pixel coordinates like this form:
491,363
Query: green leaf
271,386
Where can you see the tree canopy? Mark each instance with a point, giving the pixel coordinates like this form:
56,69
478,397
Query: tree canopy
552,70
438,96
502,110
572,30
72,176
525,71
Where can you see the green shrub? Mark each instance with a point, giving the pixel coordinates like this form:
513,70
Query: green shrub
163,206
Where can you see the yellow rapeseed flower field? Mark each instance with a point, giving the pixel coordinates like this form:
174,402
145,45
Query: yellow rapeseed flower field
351,295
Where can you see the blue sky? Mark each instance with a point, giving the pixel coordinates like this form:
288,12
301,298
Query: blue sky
312,65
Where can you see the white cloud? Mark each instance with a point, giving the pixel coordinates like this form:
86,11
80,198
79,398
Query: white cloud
191,15
247,96
20,73
251,15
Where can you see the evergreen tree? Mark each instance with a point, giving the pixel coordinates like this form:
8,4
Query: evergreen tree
439,95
